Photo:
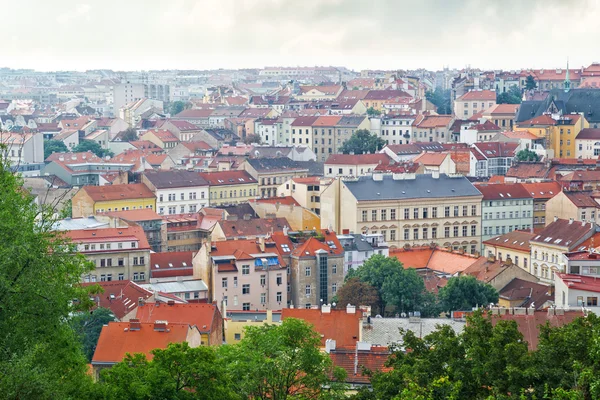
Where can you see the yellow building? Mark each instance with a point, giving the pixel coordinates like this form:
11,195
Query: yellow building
559,131
236,322
90,200
230,187
513,245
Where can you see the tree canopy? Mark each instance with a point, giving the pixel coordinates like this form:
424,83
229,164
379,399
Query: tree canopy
129,135
512,96
178,106
54,146
465,292
358,293
94,147
40,356
372,112
88,325
441,99
362,141
530,83
527,155
249,139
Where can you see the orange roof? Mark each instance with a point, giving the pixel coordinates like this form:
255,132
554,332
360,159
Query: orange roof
543,119
327,120
510,109
135,157
163,134
120,297
416,258
241,249
520,135
312,245
435,121
109,234
516,240
287,200
543,190
339,325
436,259
351,360
195,314
497,179
119,192
430,158
117,339
478,95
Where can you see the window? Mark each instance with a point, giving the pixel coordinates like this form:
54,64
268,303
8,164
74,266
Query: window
425,233
263,298
592,301
393,214
416,233
245,270
464,211
237,336
334,288
246,288
446,211
406,234
373,215
223,282
334,269
235,281
464,230
121,276
434,233
279,280
135,261
307,290
416,213
473,230
447,231
103,262
456,211
141,261
473,210
133,245
384,215
246,306
392,235
406,213
525,262
455,231
364,216
278,297
434,212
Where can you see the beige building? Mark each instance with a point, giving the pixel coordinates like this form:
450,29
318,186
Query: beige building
90,200
117,253
272,172
308,92
306,191
432,128
513,245
474,102
407,209
575,205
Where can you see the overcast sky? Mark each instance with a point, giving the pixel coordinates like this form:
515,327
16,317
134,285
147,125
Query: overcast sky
387,34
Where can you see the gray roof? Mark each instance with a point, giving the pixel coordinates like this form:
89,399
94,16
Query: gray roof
195,285
350,120
357,243
276,164
175,179
69,224
422,186
386,331
584,100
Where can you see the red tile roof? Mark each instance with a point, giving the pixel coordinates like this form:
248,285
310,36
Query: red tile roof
503,191
129,233
497,109
544,119
430,158
223,178
487,126
564,233
164,135
581,199
582,175
200,315
385,94
435,121
304,121
478,95
183,125
170,264
436,259
338,325
120,297
327,120
523,170
117,339
516,240
496,149
528,293
312,245
241,249
356,362
254,227
358,159
118,192
286,200
195,113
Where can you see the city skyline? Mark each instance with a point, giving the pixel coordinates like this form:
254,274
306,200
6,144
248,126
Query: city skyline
509,35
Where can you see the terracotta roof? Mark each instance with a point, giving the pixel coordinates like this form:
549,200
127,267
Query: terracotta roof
581,199
255,112
528,293
170,264
478,95
529,325
356,362
503,191
286,200
435,121
194,314
486,126
496,149
328,90
144,214
253,227
338,325
589,133
565,233
416,257
195,113
223,178
477,116
117,339
497,179
523,170
128,233
311,246
430,158
120,297
163,134
197,145
436,259
136,157
510,109
236,100
304,121
241,249
146,145
183,125
543,119
485,270
118,192
358,159
582,175
516,240
520,135
327,120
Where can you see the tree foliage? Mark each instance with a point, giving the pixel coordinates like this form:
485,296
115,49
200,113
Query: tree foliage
250,139
513,96
372,112
39,354
129,135
530,83
527,155
441,99
357,293
465,292
88,326
54,146
178,106
362,141
94,147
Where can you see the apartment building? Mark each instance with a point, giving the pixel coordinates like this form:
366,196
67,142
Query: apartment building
432,128
541,193
177,191
354,165
117,253
324,135
302,131
306,191
474,102
512,245
407,209
506,207
272,172
230,187
90,200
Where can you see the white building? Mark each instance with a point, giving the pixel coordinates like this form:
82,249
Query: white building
358,248
177,191
23,148
577,291
125,93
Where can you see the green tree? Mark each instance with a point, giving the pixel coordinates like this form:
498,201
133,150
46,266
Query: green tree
283,362
441,99
357,293
88,326
404,290
67,210
372,112
513,96
39,274
465,292
177,372
54,146
527,155
130,135
249,139
530,83
362,141
178,106
94,147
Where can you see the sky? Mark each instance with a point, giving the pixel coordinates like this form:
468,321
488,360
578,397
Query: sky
358,34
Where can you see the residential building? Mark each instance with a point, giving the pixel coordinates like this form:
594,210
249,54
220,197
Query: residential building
541,193
205,317
237,321
163,138
272,172
151,223
587,143
117,253
308,92
492,158
199,117
306,191
183,130
558,129
78,169
473,102
358,248
302,131
23,148
407,209
117,339
547,247
90,200
354,165
497,273
246,274
502,115
407,152
397,129
324,135
346,127
249,228
506,207
576,205
440,162
165,266
122,298
577,291
188,232
512,245
342,326
378,98
177,191
432,128
435,264
125,93
521,293
230,187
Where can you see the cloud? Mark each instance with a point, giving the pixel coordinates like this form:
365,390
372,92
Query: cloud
203,34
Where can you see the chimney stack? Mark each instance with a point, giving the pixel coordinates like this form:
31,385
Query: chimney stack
160,326
134,324
350,309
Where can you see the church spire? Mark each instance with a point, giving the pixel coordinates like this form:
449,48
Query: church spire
567,80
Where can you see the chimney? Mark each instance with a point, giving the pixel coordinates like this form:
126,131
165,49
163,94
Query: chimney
350,309
329,345
491,258
134,324
555,218
141,301
171,302
570,221
435,174
261,243
326,309
160,326
286,229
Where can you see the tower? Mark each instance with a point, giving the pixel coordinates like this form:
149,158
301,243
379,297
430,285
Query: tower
567,83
